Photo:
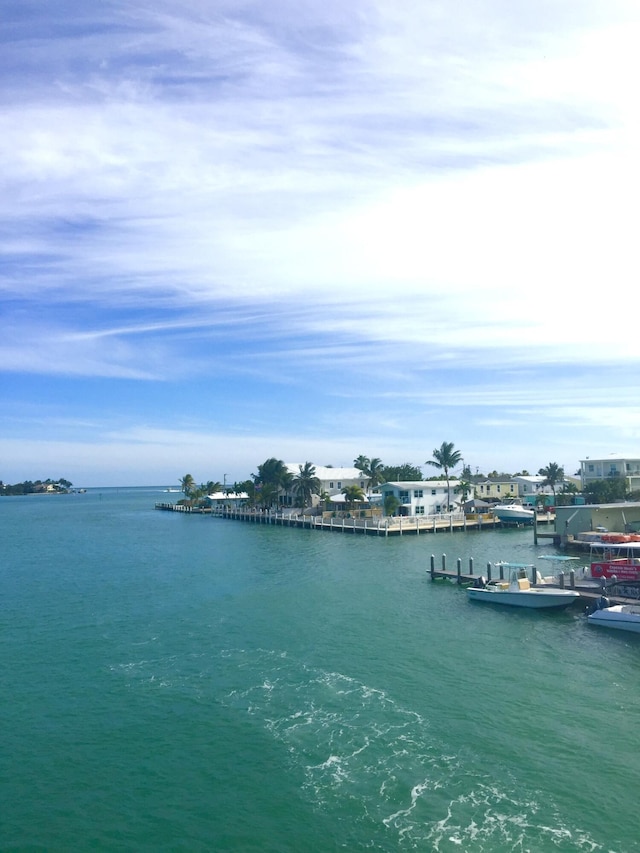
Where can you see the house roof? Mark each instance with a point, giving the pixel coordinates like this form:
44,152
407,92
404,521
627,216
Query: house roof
418,484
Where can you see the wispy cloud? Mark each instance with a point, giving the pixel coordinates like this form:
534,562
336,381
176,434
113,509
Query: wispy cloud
336,196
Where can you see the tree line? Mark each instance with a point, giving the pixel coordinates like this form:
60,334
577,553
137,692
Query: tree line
35,487
272,481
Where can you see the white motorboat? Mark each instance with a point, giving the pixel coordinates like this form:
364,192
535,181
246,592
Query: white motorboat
624,617
518,592
514,513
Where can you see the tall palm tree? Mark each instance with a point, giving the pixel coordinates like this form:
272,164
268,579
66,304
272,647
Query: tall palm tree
553,474
375,473
306,484
372,469
187,485
271,477
361,463
445,458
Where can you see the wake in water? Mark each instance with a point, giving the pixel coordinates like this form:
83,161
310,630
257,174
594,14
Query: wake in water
378,771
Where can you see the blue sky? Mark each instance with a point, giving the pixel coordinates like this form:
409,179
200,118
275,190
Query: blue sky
236,230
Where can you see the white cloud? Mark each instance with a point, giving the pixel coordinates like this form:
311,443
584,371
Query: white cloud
353,196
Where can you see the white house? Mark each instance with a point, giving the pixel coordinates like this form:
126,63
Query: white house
613,465
333,481
422,497
227,499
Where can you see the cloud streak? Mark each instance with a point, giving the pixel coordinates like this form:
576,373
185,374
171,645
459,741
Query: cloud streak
319,196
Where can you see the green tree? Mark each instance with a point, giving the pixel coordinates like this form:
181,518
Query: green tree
464,488
406,471
187,485
306,484
391,504
272,476
372,469
361,463
375,473
607,491
445,458
353,494
553,474
212,487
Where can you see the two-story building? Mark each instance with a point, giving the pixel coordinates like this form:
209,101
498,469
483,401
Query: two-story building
613,465
423,497
333,481
496,490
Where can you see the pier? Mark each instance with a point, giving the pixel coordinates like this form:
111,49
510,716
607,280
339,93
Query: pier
360,522
495,571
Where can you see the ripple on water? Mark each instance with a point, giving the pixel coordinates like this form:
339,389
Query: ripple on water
377,768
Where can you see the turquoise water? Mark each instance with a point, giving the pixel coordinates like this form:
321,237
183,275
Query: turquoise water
175,682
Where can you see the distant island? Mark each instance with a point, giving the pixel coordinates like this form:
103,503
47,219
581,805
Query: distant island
37,487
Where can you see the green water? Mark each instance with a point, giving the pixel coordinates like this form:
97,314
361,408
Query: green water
174,682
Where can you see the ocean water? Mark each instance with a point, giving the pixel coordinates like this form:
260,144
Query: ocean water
185,683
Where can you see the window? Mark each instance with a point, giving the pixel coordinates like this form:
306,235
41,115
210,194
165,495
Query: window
417,493
330,485
419,510
433,491
498,488
590,469
362,484
403,496
339,485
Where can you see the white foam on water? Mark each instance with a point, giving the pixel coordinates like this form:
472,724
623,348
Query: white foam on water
367,761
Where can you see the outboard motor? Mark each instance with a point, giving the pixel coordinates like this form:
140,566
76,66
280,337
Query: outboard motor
480,583
598,604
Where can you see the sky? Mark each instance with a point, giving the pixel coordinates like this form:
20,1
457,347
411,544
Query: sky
315,230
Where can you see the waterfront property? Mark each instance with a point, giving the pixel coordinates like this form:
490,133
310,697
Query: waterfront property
614,465
365,522
422,497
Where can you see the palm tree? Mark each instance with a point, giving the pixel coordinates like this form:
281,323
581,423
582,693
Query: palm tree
271,477
212,487
375,473
361,463
553,474
306,484
445,458
352,494
187,485
465,487
372,469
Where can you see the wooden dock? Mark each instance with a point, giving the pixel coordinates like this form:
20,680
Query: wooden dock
496,572
357,523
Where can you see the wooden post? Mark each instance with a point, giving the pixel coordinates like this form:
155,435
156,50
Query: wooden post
561,579
459,571
488,571
433,567
444,562
535,526
470,565
572,578
501,573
